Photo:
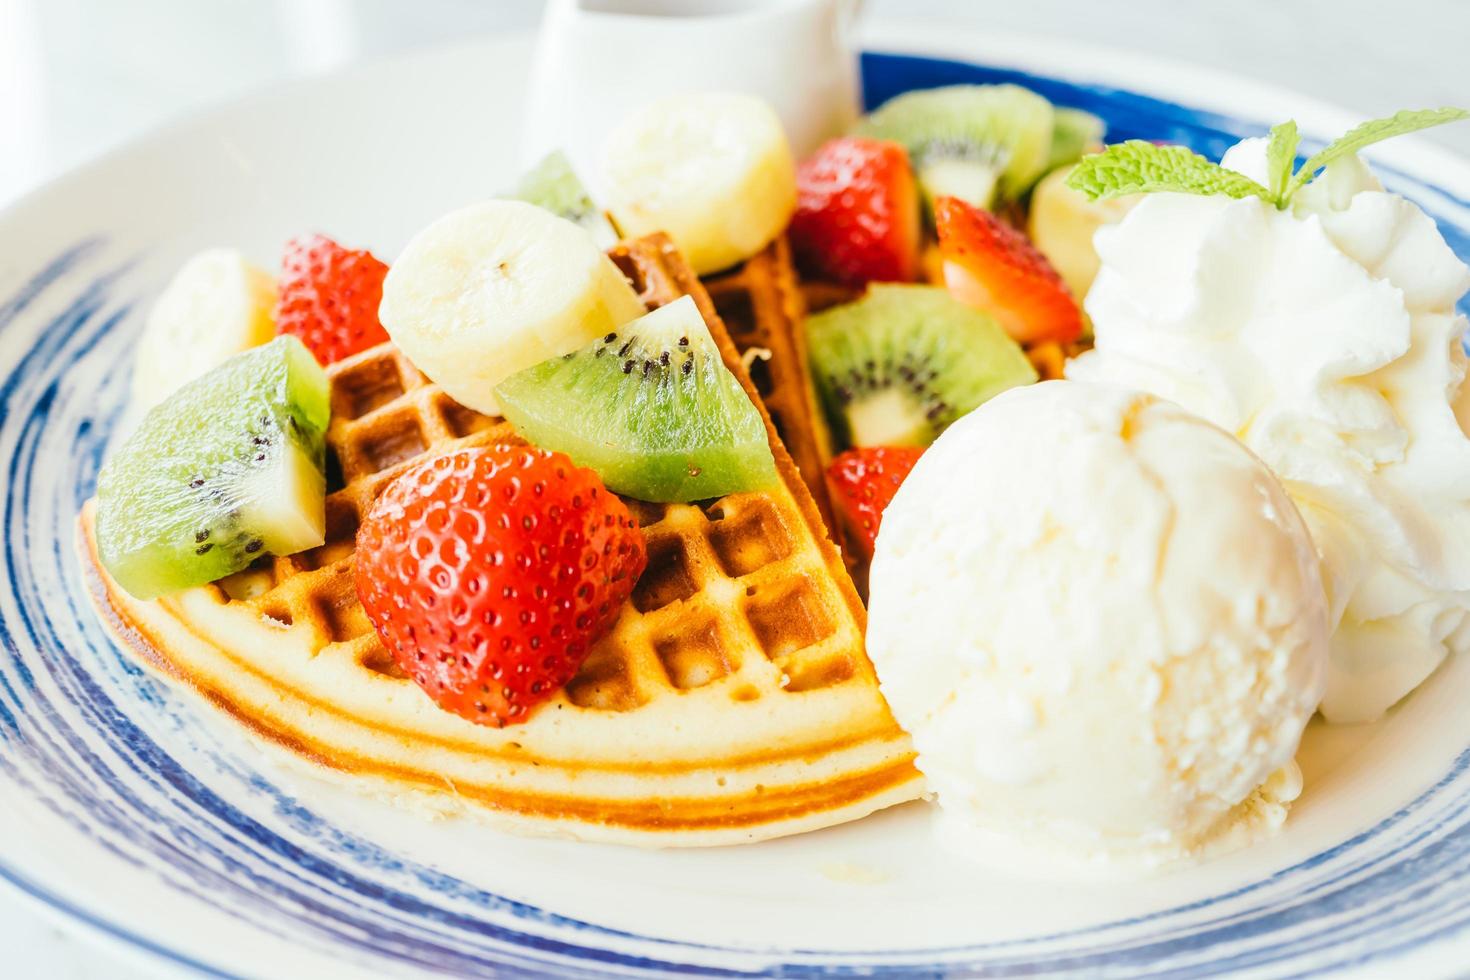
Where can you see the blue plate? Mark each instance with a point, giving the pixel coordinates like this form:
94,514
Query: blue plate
130,808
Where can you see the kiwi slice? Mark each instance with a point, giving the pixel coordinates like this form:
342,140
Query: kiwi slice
900,364
228,468
651,407
553,185
1073,133
981,143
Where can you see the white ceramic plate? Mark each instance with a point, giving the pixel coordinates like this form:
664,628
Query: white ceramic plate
131,808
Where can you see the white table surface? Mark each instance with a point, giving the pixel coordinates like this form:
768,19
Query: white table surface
78,77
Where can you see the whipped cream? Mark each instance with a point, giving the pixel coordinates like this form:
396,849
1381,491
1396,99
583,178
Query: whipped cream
1325,337
1101,620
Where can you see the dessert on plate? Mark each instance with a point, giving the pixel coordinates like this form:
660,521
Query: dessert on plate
730,701
1125,676
571,515
1322,332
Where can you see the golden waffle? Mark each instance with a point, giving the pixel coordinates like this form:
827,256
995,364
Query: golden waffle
732,701
1050,358
761,307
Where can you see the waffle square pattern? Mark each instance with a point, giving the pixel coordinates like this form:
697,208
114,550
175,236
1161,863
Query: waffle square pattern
731,701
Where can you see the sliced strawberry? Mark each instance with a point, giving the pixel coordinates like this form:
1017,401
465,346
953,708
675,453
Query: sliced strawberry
329,296
993,267
863,482
490,573
857,213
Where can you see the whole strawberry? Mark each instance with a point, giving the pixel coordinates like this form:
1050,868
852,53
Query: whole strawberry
857,213
863,482
993,267
490,573
328,296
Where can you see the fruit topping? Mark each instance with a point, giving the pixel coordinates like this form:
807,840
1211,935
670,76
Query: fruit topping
1073,133
713,170
553,184
496,287
228,469
1062,224
490,573
651,407
980,143
899,365
216,306
993,267
329,297
863,481
857,213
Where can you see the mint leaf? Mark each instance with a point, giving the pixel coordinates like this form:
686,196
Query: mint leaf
1407,121
1138,167
1280,155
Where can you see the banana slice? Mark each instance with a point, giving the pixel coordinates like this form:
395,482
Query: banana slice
1062,224
713,170
496,287
216,306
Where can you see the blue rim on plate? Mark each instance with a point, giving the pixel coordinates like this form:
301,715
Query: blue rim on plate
306,881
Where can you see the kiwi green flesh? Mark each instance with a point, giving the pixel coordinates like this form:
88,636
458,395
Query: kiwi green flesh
226,470
1001,133
553,185
1074,132
899,365
651,407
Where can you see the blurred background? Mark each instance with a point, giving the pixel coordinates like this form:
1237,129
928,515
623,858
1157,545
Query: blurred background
78,77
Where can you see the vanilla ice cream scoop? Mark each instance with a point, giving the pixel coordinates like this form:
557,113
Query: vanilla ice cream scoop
1101,620
1325,337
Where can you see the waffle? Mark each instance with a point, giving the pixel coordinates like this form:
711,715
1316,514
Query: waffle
732,700
763,310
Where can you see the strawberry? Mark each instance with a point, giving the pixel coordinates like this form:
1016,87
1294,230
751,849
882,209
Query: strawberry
490,573
329,296
992,266
863,482
857,213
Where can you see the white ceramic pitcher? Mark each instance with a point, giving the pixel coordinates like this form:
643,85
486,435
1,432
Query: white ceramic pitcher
598,60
